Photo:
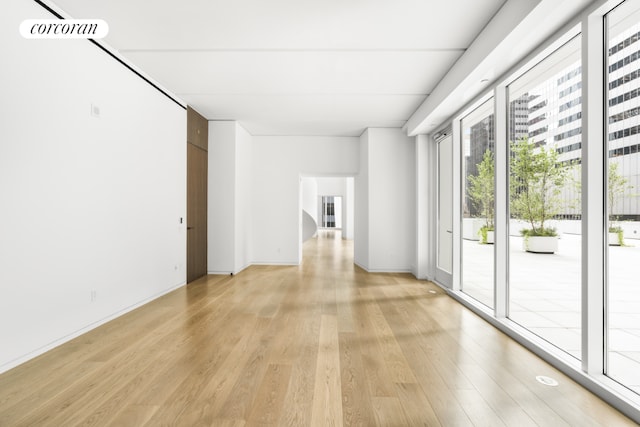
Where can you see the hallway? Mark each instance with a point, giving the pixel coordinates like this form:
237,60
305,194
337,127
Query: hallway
324,343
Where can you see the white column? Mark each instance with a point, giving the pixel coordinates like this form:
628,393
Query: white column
593,209
423,208
501,185
457,203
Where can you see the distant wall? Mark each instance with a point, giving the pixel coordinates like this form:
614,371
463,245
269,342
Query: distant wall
279,162
229,197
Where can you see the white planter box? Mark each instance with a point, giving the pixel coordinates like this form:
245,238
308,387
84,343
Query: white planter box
490,237
614,240
540,244
471,228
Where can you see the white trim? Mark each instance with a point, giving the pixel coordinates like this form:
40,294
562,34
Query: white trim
501,220
593,113
407,271
456,221
277,263
439,273
233,273
432,210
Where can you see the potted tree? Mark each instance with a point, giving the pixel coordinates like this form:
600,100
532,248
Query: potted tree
482,193
536,183
617,186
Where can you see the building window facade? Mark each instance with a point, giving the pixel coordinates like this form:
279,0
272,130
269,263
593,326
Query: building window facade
623,204
478,203
581,318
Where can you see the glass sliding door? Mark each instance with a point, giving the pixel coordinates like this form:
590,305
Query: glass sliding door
545,119
444,262
478,203
622,191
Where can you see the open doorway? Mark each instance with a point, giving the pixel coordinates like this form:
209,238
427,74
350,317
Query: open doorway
331,212
327,213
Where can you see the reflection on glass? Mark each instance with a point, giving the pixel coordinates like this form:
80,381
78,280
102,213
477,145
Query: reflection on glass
478,203
545,118
623,203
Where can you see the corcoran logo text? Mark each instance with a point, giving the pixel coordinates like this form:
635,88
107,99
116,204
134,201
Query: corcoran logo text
64,28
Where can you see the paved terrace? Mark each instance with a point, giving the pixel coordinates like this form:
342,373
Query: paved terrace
545,297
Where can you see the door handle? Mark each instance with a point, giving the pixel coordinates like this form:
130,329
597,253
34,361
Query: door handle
190,228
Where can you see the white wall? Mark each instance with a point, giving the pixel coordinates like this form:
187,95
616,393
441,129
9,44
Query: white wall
426,209
244,211
361,205
91,207
278,164
390,188
310,197
221,197
332,186
229,198
349,203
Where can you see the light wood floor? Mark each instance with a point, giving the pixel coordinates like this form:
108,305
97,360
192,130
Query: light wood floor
322,344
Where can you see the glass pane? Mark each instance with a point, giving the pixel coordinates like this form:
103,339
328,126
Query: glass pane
544,187
478,203
445,205
622,198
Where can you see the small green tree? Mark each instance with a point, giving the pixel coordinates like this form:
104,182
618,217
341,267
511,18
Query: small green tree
536,183
617,186
481,189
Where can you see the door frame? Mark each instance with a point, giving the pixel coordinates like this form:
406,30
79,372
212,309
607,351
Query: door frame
449,279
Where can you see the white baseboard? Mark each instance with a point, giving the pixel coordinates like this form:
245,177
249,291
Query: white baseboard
35,353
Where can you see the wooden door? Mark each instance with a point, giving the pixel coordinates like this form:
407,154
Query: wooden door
197,137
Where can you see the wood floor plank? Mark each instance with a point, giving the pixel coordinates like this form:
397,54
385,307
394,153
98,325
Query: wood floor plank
479,412
379,378
239,401
388,412
300,393
128,371
356,405
133,416
323,343
442,398
190,368
267,405
210,392
416,406
396,363
327,394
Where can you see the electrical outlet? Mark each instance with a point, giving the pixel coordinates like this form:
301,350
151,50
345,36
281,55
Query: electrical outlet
94,295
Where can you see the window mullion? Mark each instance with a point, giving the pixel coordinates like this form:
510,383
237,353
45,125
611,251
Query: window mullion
593,209
501,247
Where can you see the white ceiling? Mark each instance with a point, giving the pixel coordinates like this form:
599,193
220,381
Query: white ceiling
294,67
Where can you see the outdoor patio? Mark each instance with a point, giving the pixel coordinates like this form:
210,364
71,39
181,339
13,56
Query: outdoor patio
545,297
